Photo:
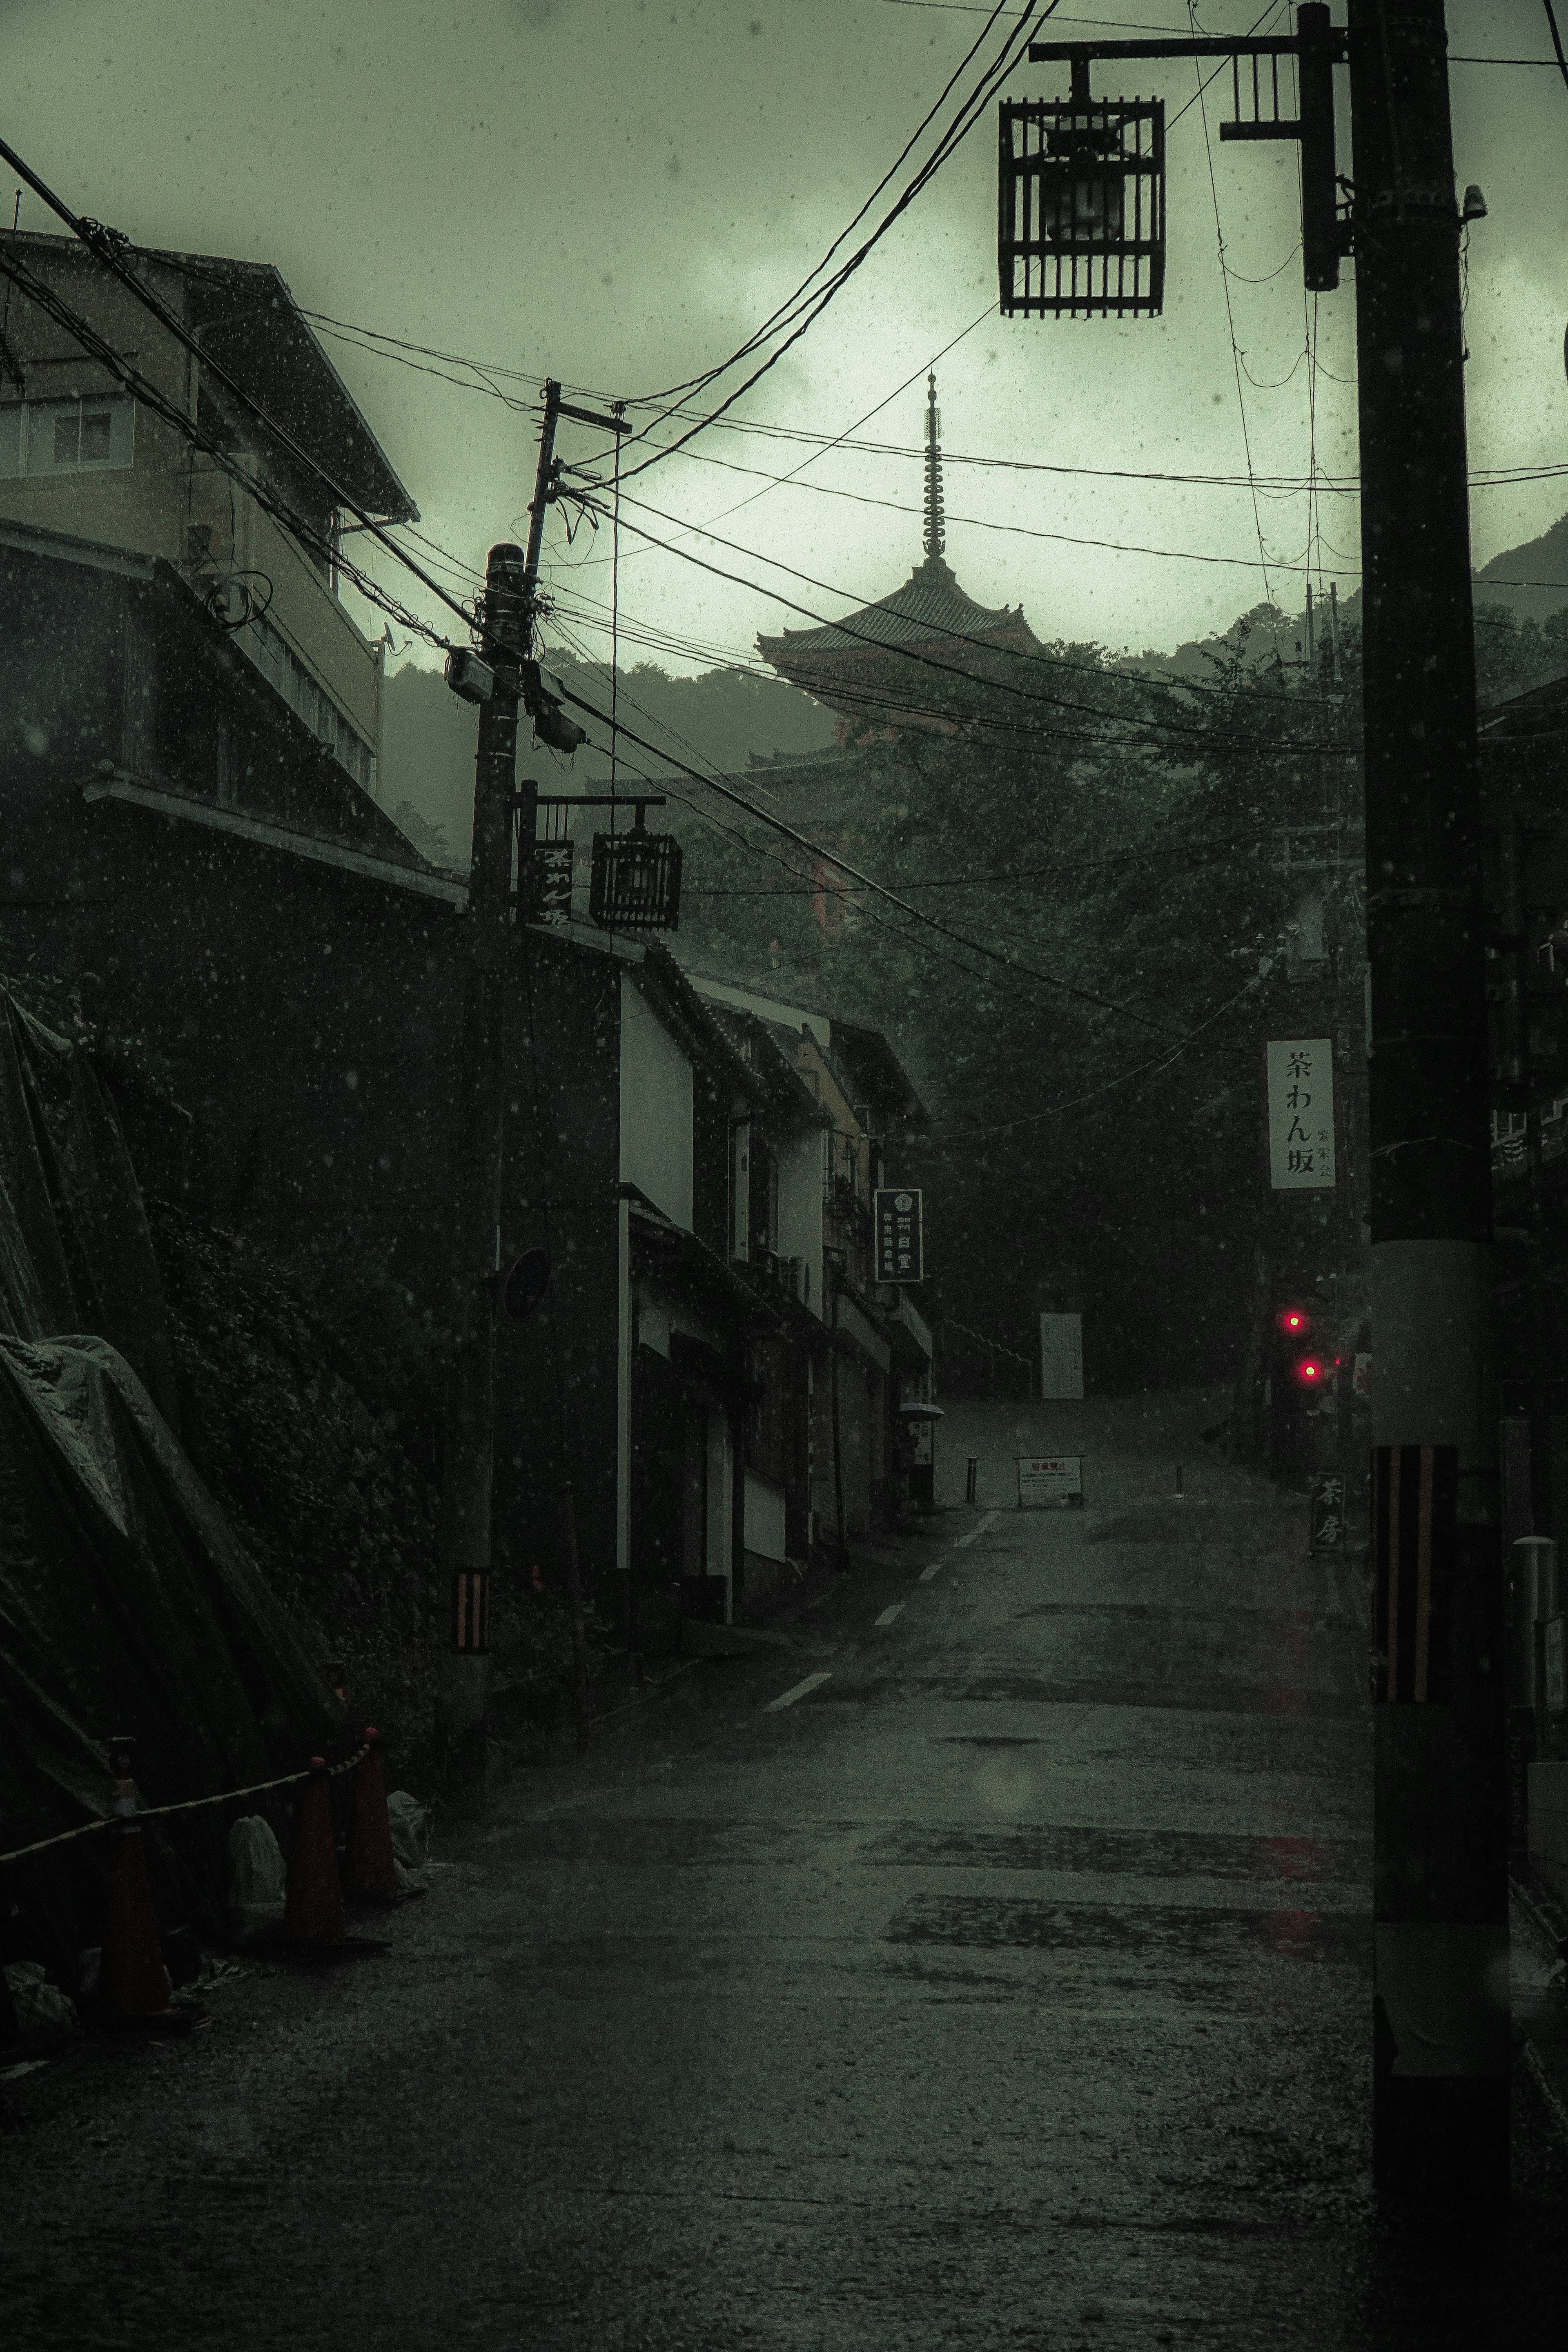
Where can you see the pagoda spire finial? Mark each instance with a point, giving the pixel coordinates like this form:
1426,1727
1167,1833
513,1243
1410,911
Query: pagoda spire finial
936,520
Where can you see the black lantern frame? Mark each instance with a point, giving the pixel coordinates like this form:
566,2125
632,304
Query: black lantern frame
1081,206
635,881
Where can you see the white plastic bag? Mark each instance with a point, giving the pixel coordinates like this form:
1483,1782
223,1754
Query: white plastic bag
409,1821
257,1881
46,2017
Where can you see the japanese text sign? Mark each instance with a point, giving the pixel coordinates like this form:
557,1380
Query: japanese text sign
1301,1114
1327,1510
1050,1482
901,1241
1061,1358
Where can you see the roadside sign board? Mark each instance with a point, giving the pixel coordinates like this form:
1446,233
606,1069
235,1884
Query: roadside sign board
1301,1114
1062,1359
1049,1482
1327,1510
901,1235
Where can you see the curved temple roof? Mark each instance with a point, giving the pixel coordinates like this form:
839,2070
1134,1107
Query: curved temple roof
930,611
930,605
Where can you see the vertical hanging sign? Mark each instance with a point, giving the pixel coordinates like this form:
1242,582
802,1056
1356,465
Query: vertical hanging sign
901,1242
1301,1114
1062,1359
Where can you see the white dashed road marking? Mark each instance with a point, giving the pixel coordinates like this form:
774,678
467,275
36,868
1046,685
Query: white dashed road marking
800,1690
976,1533
887,1615
927,1573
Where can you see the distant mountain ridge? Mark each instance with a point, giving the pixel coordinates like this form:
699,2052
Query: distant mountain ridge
729,717
724,714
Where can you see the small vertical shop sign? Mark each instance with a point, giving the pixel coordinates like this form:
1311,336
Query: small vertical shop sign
1301,1114
1327,1510
1062,1359
900,1240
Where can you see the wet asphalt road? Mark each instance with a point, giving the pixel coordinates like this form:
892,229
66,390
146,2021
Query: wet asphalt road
1009,1987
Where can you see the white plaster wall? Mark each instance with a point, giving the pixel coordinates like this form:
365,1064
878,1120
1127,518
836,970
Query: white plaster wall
800,1211
655,1107
764,1518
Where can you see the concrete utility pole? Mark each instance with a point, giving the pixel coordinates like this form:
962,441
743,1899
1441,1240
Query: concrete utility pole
1440,1888
1082,231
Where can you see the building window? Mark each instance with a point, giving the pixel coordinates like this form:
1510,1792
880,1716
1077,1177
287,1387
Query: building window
91,434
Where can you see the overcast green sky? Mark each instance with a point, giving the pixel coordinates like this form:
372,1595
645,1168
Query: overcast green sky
616,190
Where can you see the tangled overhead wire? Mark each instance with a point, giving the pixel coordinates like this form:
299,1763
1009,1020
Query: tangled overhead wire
232,602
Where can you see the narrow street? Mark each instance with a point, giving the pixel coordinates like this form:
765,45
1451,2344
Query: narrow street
1009,1986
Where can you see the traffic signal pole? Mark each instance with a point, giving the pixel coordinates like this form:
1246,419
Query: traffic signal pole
1071,183
1440,1889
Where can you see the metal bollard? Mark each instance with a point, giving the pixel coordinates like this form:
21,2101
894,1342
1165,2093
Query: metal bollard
970,1477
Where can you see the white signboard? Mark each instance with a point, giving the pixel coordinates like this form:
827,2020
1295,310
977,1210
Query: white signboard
1061,1358
1049,1482
1301,1114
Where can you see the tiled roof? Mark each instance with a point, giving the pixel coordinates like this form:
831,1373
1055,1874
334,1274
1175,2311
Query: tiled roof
929,607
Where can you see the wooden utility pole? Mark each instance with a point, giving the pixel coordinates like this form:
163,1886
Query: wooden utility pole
1440,2096
1082,230
468,1448
501,677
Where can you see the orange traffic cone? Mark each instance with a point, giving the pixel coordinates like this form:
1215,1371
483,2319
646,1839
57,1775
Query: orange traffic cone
370,1868
134,1983
314,1910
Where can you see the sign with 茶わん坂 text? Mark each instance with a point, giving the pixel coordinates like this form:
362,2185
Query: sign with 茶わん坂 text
1301,1114
901,1242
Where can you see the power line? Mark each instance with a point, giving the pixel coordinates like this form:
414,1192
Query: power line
740,659
110,249
308,535
868,882
838,439
1556,39
968,115
883,700
1156,1063
786,308
926,661
1237,362
1012,530
1004,876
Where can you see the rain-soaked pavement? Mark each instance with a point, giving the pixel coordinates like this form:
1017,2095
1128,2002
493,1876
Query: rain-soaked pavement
1007,1987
